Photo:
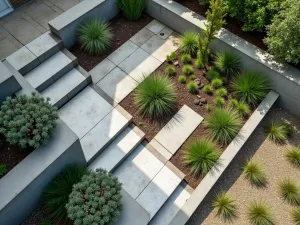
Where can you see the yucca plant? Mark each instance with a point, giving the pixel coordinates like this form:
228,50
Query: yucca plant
187,69
228,63
186,58
56,194
155,96
222,92
94,36
208,89
254,174
189,42
250,87
223,124
242,108
293,156
290,192
132,9
219,101
217,83
278,131
212,74
259,214
295,213
182,79
226,207
201,155
192,87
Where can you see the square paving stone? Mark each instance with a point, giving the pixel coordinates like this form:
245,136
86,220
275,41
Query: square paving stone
122,52
65,4
142,36
101,70
155,26
165,33
7,48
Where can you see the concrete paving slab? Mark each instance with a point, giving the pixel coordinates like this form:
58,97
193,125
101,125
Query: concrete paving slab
84,111
161,149
101,70
158,191
117,84
7,48
142,36
122,52
137,171
66,4
117,151
165,33
180,126
102,134
155,26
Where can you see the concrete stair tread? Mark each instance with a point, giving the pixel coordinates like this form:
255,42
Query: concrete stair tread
65,88
117,151
49,71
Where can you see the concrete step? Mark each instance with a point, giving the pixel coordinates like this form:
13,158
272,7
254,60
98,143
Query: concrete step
171,207
118,150
61,91
49,71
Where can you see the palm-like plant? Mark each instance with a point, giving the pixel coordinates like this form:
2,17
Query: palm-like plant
254,174
293,156
296,215
155,96
189,42
228,63
259,214
290,192
95,36
132,9
278,131
225,206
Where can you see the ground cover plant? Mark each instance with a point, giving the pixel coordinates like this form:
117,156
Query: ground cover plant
132,9
226,207
295,213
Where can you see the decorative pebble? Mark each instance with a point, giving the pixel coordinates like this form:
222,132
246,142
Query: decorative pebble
176,63
197,81
197,101
198,96
203,100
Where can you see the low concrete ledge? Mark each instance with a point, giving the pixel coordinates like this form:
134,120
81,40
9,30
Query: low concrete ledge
65,25
228,155
285,78
21,188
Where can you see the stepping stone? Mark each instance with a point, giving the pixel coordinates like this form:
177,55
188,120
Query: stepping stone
65,88
49,71
171,207
142,36
101,70
137,171
155,26
122,52
158,147
139,65
94,142
117,84
117,151
84,111
158,191
180,126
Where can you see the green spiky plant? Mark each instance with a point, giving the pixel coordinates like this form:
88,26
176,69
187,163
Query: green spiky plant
254,173
192,87
192,77
94,36
212,74
259,214
233,103
199,63
56,194
223,124
228,63
278,131
170,70
242,108
186,58
295,213
208,89
173,56
155,97
3,169
208,108
187,69
219,101
226,207
189,42
46,222
132,9
168,59
201,155
217,83
222,92
250,87
182,79
293,156
290,192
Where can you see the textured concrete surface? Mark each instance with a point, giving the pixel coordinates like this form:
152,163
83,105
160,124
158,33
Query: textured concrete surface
122,52
101,70
142,36
155,26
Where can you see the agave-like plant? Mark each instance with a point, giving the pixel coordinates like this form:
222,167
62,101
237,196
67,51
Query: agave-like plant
132,9
226,207
228,63
278,131
189,42
293,156
296,215
290,192
259,214
254,174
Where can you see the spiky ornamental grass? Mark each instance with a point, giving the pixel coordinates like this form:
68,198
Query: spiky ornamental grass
208,89
56,194
94,36
212,74
233,103
192,77
250,87
208,108
173,56
219,101
293,156
96,199
201,155
3,169
192,87
242,108
222,92
187,69
254,174
259,214
226,207
132,9
278,131
295,213
199,63
27,121
189,42
217,83
155,97
182,79
290,192
170,70
228,63
186,58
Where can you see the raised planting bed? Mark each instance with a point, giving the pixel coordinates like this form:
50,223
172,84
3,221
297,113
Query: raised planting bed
122,28
272,159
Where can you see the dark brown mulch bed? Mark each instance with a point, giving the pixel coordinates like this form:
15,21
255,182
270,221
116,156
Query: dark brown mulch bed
11,155
151,128
123,30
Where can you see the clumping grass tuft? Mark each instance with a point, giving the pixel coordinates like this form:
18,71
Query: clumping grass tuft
222,92
170,70
217,83
228,63
187,69
212,74
259,214
193,77
293,156
208,89
250,87
290,192
94,36
233,103
3,169
46,222
192,87
199,63
223,124
173,56
254,174
186,58
219,101
224,80
132,9
278,131
168,59
201,155
225,206
155,96
242,108
208,108
295,213
182,79
189,42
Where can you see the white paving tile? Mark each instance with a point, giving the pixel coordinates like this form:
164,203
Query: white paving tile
142,36
101,70
155,26
136,172
165,33
84,111
122,52
158,191
158,147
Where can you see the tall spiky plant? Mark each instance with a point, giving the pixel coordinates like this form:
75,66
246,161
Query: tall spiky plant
225,206
259,214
